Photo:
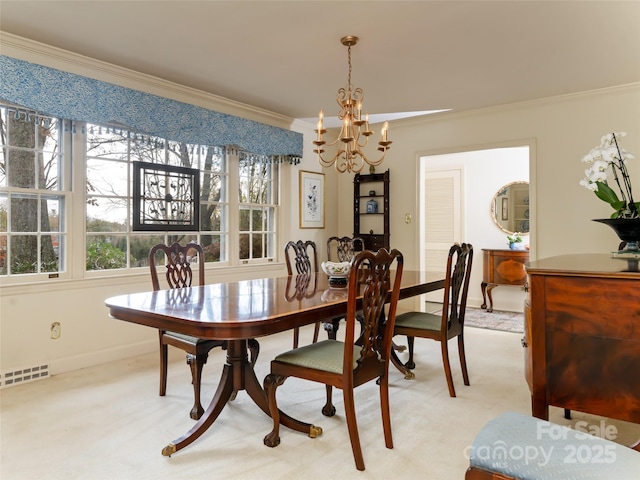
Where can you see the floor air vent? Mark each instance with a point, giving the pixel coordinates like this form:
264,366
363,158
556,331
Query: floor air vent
18,377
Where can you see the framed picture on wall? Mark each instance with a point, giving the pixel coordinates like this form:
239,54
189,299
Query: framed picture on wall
505,209
311,199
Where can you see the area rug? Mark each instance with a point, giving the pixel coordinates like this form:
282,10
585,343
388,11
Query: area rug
496,320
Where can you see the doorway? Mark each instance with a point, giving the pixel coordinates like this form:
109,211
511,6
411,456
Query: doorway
456,192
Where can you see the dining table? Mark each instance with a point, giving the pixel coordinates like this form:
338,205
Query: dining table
240,311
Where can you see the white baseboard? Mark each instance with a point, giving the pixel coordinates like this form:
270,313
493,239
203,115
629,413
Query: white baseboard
103,356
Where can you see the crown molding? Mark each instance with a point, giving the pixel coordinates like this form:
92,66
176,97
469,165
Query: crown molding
456,114
35,52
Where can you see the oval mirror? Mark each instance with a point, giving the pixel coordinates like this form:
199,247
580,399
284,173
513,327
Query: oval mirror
510,208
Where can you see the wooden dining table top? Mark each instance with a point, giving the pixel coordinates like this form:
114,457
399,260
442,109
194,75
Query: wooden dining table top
249,308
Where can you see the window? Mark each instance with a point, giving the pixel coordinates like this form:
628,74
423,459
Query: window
36,198
257,201
110,154
34,193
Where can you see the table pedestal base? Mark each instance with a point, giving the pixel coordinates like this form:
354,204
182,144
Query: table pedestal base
237,374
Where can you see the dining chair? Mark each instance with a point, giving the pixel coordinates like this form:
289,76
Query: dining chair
359,359
177,260
297,256
343,249
445,326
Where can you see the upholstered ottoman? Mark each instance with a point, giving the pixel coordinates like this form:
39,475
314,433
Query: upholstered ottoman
516,446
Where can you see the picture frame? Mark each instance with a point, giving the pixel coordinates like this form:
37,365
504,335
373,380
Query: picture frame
311,199
165,198
505,208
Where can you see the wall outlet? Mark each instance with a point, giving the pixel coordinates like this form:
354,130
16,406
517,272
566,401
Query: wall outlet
55,330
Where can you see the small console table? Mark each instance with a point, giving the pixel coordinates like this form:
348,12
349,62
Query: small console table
502,267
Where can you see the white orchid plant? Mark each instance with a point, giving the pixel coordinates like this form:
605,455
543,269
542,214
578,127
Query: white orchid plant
608,158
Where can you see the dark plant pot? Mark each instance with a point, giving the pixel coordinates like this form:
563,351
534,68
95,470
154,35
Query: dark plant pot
627,229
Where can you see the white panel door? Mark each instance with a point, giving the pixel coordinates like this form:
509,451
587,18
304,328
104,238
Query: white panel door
440,219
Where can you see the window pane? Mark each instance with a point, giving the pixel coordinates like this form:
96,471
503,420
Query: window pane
20,132
244,246
256,220
60,248
50,131
52,214
211,216
140,246
3,213
181,155
24,213
24,254
106,177
21,168
49,252
3,254
244,219
270,245
256,247
211,187
106,214
270,219
212,246
182,238
49,163
106,252
104,143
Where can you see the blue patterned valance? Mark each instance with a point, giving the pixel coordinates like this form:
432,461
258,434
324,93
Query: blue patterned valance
79,98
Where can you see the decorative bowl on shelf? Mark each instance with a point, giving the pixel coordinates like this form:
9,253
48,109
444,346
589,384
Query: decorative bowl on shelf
337,271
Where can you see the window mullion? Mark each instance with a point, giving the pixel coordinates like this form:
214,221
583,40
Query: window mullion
234,205
76,252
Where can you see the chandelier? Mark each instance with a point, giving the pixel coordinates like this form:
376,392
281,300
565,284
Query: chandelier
354,134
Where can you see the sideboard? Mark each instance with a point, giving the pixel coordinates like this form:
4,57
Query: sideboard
502,267
582,335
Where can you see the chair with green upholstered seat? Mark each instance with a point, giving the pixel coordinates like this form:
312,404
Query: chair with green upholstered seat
177,260
357,360
447,325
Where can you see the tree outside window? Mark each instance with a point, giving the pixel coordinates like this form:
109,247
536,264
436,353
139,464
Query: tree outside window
32,201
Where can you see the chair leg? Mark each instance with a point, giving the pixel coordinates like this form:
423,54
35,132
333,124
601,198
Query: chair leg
271,382
196,362
447,367
332,328
316,331
463,359
164,353
329,410
384,407
410,364
296,337
350,412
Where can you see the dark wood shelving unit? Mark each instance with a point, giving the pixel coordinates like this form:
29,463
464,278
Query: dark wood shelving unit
373,228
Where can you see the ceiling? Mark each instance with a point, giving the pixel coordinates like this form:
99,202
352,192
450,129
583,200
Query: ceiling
286,56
